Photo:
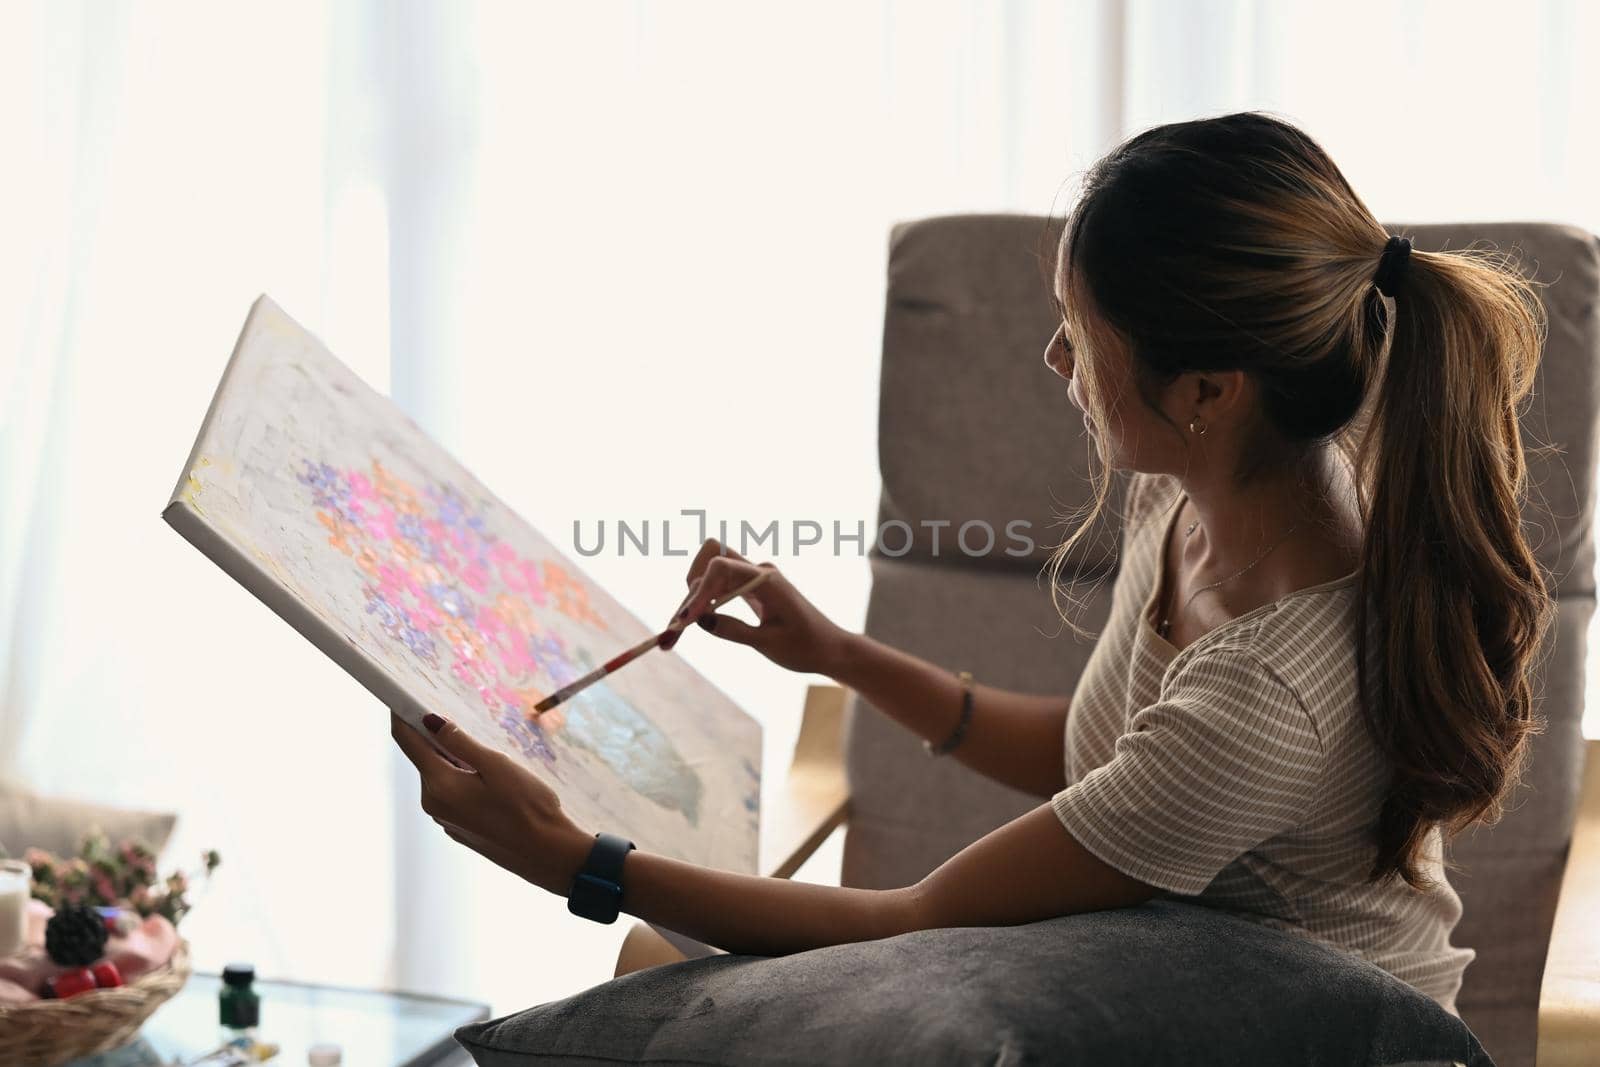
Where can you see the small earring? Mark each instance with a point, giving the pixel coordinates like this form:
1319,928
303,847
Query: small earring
1201,431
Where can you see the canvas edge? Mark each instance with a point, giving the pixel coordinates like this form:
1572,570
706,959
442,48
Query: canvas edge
192,527
257,307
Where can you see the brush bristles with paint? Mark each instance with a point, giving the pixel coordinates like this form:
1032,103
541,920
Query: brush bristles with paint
622,659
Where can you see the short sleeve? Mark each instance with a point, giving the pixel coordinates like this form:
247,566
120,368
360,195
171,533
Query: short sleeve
1135,508
1148,499
1229,758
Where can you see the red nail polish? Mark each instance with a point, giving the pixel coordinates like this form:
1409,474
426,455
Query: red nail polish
433,722
668,640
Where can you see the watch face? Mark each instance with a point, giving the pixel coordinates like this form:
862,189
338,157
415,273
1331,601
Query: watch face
595,898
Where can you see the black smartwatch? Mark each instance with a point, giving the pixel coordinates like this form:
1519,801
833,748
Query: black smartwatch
597,891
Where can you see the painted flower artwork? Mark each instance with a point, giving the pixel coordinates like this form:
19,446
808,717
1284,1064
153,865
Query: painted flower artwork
337,511
440,584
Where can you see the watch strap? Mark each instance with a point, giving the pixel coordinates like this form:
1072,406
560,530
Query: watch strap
597,890
605,858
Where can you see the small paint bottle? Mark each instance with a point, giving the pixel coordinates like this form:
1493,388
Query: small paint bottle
240,1012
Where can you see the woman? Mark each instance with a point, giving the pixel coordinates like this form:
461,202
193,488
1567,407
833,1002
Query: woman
1325,504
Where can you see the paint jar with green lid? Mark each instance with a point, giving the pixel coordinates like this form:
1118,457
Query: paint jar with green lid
239,1004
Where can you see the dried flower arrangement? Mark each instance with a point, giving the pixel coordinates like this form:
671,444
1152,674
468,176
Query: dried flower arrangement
120,876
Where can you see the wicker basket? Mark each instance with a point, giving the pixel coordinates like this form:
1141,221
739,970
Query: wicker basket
52,1032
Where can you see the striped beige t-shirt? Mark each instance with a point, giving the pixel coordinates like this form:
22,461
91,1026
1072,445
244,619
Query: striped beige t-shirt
1237,772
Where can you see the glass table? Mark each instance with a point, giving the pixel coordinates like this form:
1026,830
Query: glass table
374,1029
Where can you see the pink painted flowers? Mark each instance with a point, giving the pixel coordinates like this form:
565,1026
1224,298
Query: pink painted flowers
438,582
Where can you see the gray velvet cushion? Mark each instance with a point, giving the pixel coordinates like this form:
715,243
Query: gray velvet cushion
1166,982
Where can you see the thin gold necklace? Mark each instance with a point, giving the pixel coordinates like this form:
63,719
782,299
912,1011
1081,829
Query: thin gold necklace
1166,623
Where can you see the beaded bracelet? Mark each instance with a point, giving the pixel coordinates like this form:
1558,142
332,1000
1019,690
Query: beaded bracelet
961,725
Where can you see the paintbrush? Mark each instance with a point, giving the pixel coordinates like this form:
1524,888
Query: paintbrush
622,659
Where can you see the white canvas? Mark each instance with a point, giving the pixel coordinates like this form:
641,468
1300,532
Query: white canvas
328,503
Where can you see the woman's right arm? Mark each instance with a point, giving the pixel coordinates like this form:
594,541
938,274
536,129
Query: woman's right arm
1016,739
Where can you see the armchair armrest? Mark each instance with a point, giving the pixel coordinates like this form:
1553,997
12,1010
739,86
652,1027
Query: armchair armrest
1569,999
815,802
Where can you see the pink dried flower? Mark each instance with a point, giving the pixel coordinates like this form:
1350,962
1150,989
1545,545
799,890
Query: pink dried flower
104,888
46,868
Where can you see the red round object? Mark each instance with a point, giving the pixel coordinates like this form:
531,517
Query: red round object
72,983
106,975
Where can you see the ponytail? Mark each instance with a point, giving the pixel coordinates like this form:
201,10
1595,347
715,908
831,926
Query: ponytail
1453,609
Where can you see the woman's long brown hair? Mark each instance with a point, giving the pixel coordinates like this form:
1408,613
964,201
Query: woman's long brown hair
1234,243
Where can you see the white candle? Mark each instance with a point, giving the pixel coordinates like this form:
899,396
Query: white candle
16,886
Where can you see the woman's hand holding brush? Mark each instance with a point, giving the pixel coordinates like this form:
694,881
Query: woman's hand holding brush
790,631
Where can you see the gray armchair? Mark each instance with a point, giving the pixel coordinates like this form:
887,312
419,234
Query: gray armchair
967,317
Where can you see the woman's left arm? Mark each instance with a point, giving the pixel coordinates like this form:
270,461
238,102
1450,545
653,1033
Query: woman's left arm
1027,870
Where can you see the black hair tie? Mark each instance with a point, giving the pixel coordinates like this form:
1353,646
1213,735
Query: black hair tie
1392,267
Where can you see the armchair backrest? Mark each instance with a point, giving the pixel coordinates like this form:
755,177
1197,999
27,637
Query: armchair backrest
974,429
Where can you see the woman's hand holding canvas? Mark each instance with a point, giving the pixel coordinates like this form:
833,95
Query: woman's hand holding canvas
494,805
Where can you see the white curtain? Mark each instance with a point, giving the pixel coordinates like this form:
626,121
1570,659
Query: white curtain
169,163
625,259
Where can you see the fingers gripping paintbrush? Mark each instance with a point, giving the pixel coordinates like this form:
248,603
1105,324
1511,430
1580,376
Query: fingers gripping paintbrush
622,659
